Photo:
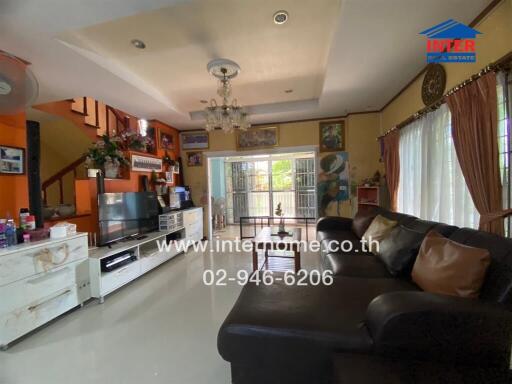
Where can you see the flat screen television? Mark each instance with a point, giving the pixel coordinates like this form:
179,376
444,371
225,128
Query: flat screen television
126,214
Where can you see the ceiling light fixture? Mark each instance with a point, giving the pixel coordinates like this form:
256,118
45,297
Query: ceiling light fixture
138,44
227,117
280,17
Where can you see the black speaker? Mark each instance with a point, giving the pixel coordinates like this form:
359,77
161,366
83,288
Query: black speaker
33,156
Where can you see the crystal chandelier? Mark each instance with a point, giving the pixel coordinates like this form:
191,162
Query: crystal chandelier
227,117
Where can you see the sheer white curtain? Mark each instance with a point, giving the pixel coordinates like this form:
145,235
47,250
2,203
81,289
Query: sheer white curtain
431,185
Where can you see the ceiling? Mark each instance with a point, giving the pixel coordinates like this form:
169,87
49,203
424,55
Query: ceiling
338,56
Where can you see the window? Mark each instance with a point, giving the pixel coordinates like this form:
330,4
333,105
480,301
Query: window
431,184
504,87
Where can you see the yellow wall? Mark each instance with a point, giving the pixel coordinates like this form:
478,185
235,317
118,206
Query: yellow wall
361,144
495,42
62,142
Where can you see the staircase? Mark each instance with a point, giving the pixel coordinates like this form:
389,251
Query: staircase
95,119
105,119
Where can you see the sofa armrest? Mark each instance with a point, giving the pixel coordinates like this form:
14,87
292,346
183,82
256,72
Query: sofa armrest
441,328
334,222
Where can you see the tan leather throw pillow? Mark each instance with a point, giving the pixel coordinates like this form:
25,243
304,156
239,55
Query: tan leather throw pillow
378,230
447,267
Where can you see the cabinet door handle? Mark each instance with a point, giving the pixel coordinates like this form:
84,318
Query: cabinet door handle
34,307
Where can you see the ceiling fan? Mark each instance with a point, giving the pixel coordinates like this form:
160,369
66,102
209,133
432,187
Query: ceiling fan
18,86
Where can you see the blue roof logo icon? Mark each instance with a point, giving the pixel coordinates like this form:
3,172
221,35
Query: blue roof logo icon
450,29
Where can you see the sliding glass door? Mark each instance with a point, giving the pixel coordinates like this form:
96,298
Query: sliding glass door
256,185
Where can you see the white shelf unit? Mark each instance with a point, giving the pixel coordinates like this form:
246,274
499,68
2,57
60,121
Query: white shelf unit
147,255
193,223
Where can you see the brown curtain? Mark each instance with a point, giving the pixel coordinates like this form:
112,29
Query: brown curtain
474,131
392,165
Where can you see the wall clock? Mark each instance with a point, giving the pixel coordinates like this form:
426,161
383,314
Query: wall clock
434,83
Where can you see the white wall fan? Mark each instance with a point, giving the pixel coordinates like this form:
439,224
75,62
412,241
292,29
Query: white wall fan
18,86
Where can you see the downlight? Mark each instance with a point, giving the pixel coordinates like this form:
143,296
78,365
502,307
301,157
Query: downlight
139,44
280,17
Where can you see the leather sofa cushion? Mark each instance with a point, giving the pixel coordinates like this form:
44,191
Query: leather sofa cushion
363,219
400,218
497,286
339,237
399,249
355,265
446,267
377,231
425,226
292,323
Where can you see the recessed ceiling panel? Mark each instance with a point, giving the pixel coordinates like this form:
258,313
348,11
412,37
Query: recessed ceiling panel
181,39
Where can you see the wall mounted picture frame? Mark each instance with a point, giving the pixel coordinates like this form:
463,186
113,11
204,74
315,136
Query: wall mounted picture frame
194,159
12,160
145,163
332,136
169,177
333,184
195,140
165,140
257,138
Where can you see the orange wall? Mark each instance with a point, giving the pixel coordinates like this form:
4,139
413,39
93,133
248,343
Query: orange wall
13,189
86,192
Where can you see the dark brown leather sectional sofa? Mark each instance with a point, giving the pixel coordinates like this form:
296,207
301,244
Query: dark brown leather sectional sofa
372,325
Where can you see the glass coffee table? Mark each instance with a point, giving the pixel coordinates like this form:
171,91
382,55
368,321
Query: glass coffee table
267,240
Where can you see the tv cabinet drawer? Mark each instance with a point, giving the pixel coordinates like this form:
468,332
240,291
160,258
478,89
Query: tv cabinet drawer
19,265
112,280
35,288
22,320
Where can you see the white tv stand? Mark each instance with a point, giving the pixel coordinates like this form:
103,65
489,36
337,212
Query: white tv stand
147,255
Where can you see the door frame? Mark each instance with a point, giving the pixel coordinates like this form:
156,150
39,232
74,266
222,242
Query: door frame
209,155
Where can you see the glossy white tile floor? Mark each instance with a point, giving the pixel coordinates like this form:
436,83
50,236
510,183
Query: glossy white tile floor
161,328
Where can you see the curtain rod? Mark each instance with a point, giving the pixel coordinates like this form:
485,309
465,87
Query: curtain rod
501,64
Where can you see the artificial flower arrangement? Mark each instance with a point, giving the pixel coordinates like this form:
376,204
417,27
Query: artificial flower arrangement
133,141
106,154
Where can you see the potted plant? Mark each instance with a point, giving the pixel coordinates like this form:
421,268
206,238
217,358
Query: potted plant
106,154
279,212
168,161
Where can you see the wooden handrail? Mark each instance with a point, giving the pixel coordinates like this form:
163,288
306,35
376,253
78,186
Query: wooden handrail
118,116
58,178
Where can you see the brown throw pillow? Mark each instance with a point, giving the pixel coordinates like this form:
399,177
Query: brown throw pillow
447,267
378,230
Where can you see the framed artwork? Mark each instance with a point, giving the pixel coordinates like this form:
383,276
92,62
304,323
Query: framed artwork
195,140
259,137
12,160
332,136
194,159
333,183
169,177
166,141
146,164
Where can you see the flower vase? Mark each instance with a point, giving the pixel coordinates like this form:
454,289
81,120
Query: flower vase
111,170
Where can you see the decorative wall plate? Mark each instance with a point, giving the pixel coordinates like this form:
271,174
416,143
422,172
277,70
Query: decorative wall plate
434,83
